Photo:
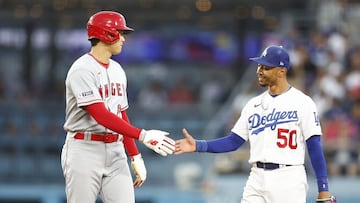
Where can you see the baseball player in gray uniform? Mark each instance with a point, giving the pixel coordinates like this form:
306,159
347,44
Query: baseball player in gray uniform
279,124
93,158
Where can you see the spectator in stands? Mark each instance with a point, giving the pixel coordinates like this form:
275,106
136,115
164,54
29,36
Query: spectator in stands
331,81
211,91
352,78
355,117
304,67
333,14
340,132
153,96
54,129
34,128
181,93
318,49
9,128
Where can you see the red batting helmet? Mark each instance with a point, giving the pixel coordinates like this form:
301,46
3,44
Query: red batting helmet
105,25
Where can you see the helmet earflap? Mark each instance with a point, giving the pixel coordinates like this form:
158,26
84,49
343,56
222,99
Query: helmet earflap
105,25
105,35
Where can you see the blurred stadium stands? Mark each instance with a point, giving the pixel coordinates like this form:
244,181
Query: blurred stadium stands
207,43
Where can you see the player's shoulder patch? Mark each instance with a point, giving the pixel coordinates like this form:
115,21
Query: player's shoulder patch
85,94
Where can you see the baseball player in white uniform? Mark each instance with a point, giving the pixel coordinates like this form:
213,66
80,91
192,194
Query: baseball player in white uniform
93,157
278,124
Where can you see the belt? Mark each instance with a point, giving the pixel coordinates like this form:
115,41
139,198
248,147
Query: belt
269,166
106,138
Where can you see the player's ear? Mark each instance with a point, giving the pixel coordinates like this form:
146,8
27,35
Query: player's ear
282,72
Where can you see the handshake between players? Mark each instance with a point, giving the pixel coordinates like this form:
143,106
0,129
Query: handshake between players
158,141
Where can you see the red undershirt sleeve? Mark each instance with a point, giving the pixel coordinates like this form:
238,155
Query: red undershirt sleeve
129,143
111,121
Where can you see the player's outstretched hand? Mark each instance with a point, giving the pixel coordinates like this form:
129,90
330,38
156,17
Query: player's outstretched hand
138,166
158,141
185,145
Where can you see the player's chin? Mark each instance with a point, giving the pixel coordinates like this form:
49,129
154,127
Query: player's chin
118,51
261,82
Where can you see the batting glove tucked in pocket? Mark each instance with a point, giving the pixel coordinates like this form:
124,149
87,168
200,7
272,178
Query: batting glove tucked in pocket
158,141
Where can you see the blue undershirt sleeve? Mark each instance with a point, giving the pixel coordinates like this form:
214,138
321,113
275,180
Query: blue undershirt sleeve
318,162
219,145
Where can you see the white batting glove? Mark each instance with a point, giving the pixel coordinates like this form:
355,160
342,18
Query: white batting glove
158,141
138,166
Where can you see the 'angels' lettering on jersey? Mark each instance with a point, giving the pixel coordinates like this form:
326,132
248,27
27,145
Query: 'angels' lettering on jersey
117,89
257,123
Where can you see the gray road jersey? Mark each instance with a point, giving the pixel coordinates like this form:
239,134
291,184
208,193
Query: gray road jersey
88,82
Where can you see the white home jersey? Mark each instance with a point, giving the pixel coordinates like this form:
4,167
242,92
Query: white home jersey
278,126
89,82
